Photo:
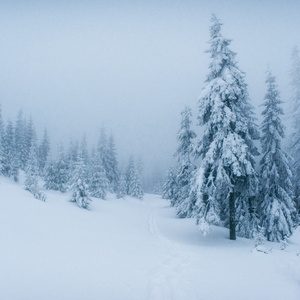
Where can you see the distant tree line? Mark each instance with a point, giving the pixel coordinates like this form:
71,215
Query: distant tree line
85,173
216,179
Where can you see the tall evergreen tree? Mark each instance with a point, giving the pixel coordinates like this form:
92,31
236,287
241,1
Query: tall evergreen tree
30,139
43,151
133,180
129,174
169,190
229,183
121,189
98,183
295,137
135,188
9,155
21,148
80,194
32,171
31,180
72,156
78,182
112,165
84,150
185,168
102,148
62,171
79,170
15,168
276,208
50,175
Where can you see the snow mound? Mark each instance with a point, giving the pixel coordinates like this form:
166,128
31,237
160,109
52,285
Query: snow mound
130,249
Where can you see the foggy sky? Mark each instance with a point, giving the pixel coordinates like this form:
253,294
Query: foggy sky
132,66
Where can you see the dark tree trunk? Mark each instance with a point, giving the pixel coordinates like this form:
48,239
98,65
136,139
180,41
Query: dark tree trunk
232,216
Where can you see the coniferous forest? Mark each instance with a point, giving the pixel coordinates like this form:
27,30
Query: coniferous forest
83,171
221,177
150,150
235,174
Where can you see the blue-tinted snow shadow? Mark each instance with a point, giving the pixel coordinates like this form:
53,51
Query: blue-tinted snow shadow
185,231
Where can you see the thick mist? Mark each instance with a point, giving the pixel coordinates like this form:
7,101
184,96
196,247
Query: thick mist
131,67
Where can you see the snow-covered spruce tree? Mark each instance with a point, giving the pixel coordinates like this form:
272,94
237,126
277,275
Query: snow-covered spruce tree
31,180
112,164
129,174
133,181
8,150
71,157
98,182
169,190
9,162
121,190
102,148
136,189
62,171
43,151
9,159
295,136
185,169
79,170
21,151
79,187
80,194
277,210
56,173
15,169
229,183
84,150
30,138
32,171
50,175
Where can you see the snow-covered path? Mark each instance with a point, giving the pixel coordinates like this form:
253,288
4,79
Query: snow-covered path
130,249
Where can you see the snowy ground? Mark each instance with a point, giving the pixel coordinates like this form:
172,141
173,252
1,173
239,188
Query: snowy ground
130,249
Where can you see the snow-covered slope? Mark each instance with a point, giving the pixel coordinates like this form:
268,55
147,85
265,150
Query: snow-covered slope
130,249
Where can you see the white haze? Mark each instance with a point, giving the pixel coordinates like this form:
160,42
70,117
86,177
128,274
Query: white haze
131,67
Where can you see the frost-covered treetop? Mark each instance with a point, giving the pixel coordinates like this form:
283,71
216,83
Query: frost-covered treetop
220,53
224,108
225,81
229,182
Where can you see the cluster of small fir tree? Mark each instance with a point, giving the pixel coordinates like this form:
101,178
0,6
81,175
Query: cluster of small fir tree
99,169
16,140
133,181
